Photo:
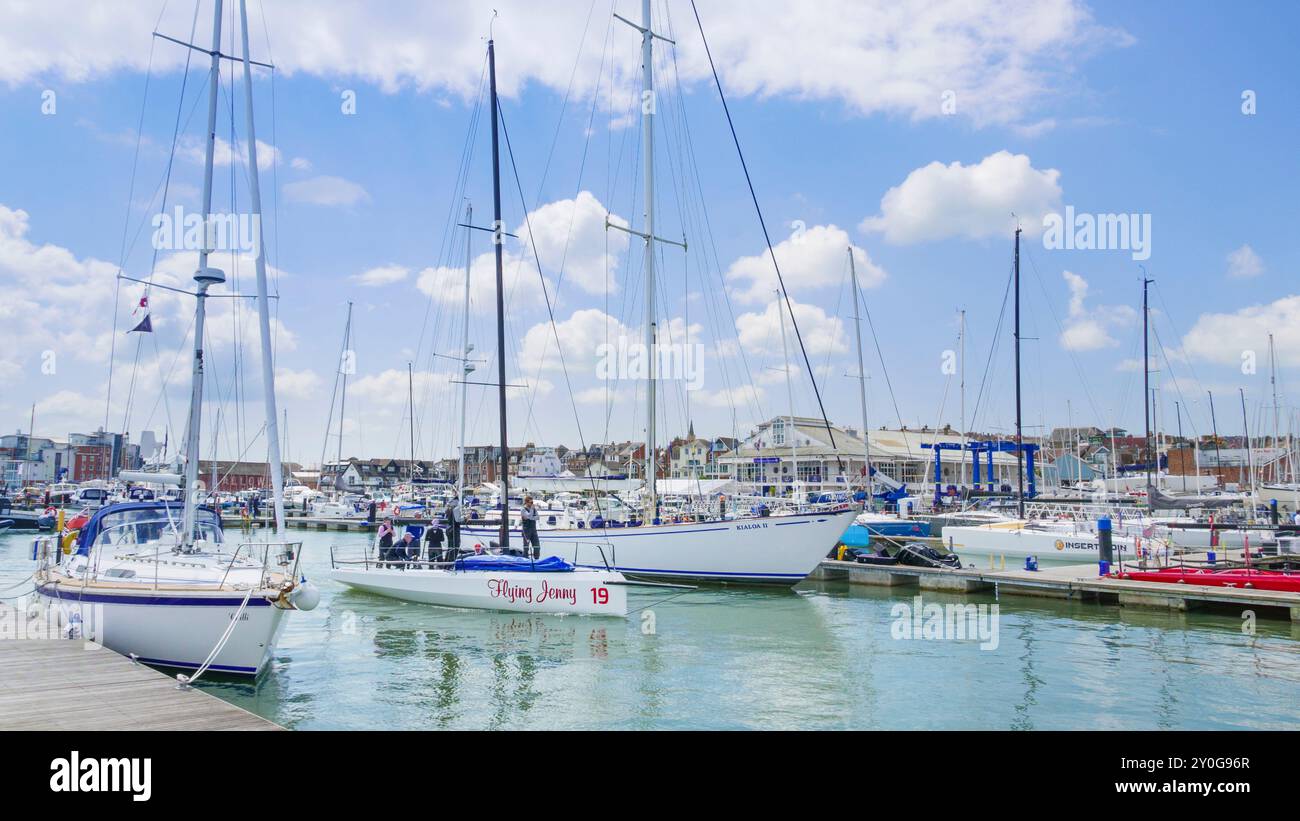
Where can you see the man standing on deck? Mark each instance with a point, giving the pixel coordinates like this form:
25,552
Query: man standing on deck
455,516
529,518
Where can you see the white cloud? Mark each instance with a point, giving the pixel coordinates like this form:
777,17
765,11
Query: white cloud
581,336
1089,329
42,281
976,201
871,57
810,259
291,384
223,154
389,389
383,275
326,190
447,285
761,332
1244,263
299,164
571,235
1224,338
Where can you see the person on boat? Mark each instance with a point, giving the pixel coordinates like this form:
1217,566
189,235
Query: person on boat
529,518
433,543
408,550
386,540
455,518
370,512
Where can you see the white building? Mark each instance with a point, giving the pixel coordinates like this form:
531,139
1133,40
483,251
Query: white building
768,455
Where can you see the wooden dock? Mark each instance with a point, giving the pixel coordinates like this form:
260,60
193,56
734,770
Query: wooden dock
64,684
1073,581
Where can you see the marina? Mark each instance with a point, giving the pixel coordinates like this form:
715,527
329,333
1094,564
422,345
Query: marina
823,655
646,365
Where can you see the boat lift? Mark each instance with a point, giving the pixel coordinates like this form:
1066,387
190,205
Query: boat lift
976,448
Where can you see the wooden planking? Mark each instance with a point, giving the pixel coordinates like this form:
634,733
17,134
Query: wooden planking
54,684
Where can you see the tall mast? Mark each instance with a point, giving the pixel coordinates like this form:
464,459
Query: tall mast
263,301
343,401
862,381
1272,380
1146,381
466,367
497,230
1178,412
648,159
410,409
1020,454
789,389
1214,429
1250,458
205,277
961,353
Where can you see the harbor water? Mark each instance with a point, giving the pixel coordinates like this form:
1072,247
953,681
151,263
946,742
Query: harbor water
820,656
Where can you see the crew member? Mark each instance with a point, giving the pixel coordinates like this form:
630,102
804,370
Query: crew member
529,517
433,542
386,540
455,517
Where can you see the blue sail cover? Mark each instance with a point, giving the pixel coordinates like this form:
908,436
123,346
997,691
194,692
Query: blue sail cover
139,511
517,564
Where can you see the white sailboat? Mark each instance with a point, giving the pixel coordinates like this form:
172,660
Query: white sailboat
156,580
482,579
770,550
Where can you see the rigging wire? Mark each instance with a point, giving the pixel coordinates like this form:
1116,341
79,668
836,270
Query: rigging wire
767,237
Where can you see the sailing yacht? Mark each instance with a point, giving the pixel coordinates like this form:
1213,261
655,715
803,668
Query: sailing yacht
156,580
745,549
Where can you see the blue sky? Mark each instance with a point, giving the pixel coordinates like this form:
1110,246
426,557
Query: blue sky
1103,107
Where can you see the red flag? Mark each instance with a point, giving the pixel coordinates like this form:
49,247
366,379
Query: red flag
144,303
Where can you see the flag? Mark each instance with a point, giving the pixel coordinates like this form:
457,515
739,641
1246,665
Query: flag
144,303
145,326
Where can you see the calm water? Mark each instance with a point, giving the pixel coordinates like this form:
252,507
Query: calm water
820,656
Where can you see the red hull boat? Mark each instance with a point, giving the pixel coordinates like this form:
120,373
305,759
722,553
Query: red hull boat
1236,577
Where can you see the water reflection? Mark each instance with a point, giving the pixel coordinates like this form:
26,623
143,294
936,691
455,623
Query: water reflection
820,656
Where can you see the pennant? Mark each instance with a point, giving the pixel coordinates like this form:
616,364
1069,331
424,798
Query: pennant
145,326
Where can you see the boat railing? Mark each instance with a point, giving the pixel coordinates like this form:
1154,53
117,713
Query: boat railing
278,559
602,555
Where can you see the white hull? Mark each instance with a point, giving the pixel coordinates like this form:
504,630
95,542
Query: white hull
1287,495
170,628
583,592
1013,540
771,550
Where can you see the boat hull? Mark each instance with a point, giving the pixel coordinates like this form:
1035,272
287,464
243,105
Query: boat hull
770,550
1012,540
171,628
581,592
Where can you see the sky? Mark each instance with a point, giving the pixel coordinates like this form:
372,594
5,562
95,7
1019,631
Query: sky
920,134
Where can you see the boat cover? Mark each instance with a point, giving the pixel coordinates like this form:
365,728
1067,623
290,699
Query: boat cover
518,564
